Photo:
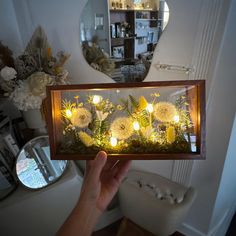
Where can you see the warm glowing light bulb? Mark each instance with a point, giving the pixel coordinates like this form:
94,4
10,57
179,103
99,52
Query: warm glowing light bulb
96,99
176,118
68,113
136,125
149,108
113,141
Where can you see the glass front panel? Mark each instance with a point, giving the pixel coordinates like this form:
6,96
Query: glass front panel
128,120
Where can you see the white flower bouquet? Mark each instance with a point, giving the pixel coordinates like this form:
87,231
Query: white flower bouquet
24,79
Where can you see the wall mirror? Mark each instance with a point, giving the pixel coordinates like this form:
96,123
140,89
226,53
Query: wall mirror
118,37
34,168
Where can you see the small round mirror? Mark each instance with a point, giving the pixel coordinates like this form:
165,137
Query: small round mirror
34,168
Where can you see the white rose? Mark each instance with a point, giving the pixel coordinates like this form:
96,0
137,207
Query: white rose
38,82
8,73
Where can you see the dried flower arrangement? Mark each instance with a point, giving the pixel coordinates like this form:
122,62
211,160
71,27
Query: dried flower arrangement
24,79
97,58
132,125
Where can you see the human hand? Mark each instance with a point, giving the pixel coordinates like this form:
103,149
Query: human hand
102,180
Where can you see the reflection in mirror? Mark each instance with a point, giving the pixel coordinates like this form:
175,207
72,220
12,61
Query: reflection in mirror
34,168
119,37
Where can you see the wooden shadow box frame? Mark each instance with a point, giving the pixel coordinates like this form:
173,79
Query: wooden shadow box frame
195,95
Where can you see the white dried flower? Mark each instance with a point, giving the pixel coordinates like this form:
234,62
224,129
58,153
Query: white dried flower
23,99
101,115
164,111
8,73
81,117
122,128
38,82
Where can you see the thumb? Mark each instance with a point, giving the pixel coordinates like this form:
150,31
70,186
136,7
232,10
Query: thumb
98,164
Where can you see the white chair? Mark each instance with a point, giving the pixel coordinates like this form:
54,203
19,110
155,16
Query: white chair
154,202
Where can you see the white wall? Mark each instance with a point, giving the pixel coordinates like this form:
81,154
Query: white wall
226,197
206,176
11,37
9,31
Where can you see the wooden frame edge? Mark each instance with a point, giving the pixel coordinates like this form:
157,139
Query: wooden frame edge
157,156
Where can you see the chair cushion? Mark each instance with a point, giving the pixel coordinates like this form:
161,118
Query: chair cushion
157,186
153,202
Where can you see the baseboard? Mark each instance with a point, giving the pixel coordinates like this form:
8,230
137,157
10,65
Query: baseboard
220,224
216,230
189,230
223,227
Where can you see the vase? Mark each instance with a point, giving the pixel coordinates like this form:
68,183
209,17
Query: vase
34,120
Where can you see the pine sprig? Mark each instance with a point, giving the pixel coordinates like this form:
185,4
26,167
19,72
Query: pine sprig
134,102
100,129
67,105
126,106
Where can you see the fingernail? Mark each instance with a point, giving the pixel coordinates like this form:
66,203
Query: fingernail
102,155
